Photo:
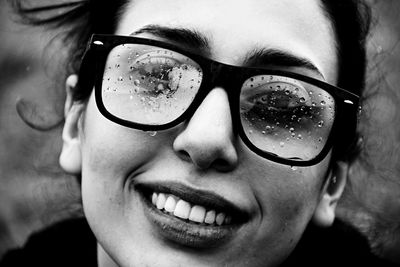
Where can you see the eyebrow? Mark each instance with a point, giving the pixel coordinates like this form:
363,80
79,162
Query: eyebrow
270,56
195,40
180,36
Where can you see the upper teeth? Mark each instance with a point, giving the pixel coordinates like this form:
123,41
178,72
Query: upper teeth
184,210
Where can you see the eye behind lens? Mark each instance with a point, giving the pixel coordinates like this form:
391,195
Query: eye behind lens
286,117
149,85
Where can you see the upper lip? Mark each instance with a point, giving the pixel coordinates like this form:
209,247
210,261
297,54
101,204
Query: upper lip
196,197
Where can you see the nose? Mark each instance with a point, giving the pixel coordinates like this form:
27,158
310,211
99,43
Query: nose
207,139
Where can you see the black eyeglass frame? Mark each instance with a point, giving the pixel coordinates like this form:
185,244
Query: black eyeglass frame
216,74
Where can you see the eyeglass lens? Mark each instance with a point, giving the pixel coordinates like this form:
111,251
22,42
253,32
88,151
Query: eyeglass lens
287,117
154,86
149,85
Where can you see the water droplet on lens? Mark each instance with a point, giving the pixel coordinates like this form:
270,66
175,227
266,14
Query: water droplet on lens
160,87
151,133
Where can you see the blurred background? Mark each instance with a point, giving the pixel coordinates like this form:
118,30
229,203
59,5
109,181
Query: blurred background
372,201
34,192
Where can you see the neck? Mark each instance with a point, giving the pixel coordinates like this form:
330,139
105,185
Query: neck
103,259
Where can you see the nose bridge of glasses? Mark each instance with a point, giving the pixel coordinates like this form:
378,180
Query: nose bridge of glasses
222,76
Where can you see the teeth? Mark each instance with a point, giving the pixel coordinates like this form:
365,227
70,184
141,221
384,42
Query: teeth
154,199
220,218
197,214
210,217
170,204
161,201
184,210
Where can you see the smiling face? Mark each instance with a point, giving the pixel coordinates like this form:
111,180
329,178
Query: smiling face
143,193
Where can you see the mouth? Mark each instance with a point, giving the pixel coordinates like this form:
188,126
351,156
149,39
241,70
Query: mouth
190,217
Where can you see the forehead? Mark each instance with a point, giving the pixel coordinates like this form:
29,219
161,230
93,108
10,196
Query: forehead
236,27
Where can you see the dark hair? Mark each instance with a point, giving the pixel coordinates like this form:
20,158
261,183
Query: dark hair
79,20
350,20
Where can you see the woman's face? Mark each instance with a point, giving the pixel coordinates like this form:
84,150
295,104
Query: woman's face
201,161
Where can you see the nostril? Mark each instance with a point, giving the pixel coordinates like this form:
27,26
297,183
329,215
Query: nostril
223,165
184,155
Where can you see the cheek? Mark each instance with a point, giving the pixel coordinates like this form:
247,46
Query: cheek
108,147
292,204
287,199
110,155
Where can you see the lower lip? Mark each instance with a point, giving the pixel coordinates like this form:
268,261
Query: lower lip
185,233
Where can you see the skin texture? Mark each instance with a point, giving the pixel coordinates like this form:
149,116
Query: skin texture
203,153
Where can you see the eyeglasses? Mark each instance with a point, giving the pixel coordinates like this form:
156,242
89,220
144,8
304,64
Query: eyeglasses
151,85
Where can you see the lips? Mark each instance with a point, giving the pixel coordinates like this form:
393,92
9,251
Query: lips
190,217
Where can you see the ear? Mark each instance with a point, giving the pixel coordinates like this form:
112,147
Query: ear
324,214
70,157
